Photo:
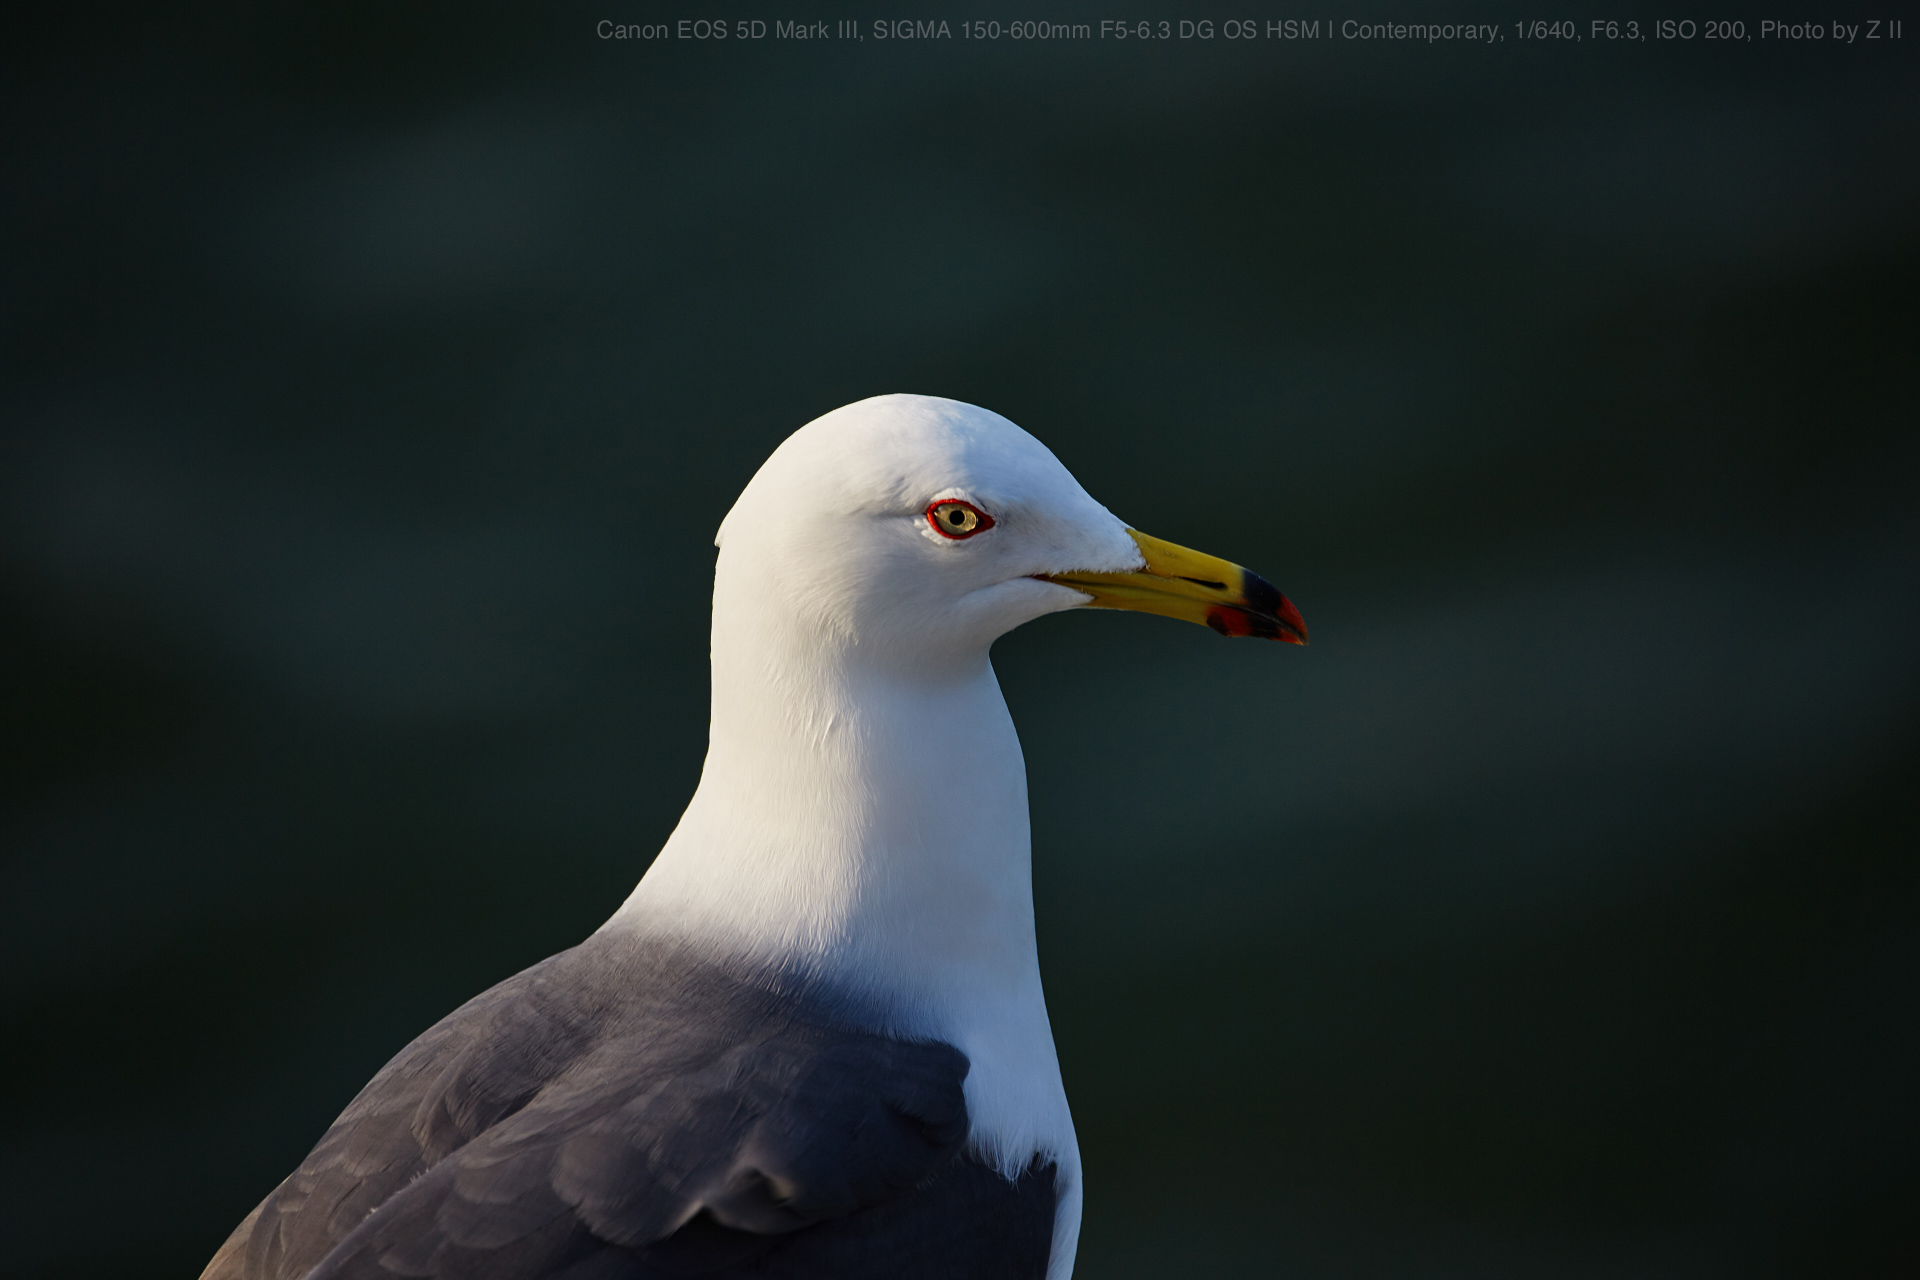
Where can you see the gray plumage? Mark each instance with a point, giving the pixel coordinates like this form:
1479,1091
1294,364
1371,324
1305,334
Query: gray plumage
625,1110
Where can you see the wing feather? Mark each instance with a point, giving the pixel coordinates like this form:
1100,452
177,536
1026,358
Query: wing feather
614,1111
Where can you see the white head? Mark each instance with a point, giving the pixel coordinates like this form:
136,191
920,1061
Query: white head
835,541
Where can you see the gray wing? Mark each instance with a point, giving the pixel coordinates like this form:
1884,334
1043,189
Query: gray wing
474,1067
616,1111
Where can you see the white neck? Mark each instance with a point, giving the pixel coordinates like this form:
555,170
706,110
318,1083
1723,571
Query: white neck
863,820
863,826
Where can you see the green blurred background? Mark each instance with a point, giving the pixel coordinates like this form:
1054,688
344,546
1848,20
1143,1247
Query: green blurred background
375,379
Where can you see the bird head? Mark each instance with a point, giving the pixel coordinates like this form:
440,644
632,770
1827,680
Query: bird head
912,528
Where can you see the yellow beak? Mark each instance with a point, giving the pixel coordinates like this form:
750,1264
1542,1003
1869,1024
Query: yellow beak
1179,583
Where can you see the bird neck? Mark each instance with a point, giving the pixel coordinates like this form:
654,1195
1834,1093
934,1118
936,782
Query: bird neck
863,824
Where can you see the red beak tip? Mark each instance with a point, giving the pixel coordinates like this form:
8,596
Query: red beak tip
1294,622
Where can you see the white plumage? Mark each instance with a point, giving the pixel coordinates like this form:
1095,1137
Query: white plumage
863,810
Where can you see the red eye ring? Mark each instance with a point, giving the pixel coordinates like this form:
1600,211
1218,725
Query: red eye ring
956,518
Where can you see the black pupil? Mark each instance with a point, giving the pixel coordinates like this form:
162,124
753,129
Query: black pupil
956,518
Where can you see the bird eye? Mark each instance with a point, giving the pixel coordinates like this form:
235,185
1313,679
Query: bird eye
956,519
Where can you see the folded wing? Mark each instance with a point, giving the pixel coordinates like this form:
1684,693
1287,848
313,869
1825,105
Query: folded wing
620,1110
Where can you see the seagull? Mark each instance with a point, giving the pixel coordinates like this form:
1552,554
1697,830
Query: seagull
813,1042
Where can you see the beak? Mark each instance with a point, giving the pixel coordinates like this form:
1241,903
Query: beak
1178,583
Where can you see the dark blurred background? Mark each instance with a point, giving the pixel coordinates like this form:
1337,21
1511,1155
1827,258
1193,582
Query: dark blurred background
375,379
